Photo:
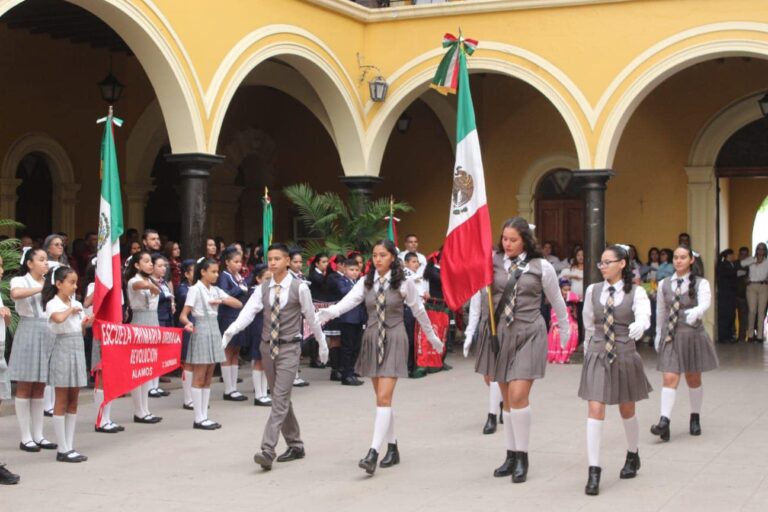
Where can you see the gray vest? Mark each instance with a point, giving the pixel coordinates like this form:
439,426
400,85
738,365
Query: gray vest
290,314
686,302
529,289
393,309
622,314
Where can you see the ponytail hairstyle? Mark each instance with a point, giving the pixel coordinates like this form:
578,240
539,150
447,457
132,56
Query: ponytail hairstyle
51,278
693,271
132,270
28,255
202,264
626,273
530,244
396,268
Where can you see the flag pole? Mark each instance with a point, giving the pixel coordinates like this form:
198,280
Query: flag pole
491,313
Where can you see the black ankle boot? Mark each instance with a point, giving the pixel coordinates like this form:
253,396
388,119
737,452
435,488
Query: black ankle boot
631,465
661,429
593,482
520,471
501,413
490,424
695,425
392,456
368,463
506,468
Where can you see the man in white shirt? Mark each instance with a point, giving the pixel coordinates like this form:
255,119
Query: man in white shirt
412,245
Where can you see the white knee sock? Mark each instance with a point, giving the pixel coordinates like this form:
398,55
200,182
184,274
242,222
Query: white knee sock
145,396
70,420
521,423
186,383
36,419
50,398
264,384
226,375
23,412
494,398
632,431
697,397
138,403
509,432
60,429
98,395
197,401
391,438
594,436
258,390
206,401
155,383
667,401
234,369
383,415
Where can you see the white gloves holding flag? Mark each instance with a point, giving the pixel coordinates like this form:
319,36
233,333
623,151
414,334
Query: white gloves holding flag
691,317
636,331
323,352
468,342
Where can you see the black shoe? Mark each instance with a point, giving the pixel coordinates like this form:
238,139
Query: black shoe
520,472
292,453
189,407
154,393
235,396
70,456
45,444
507,466
661,429
206,425
163,392
262,402
109,428
316,364
593,482
48,413
695,425
631,465
6,477
501,413
392,457
263,460
446,367
351,381
149,419
368,463
335,376
31,447
490,424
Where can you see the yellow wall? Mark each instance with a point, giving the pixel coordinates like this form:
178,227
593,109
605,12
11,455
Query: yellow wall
746,196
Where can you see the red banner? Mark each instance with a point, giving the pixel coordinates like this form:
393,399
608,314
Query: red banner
133,354
426,356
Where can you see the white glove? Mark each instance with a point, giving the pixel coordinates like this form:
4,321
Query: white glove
436,343
585,345
691,317
324,316
323,352
565,335
657,342
225,339
467,342
635,331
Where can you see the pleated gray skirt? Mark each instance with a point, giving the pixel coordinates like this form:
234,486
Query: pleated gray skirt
67,366
622,381
523,351
5,380
31,350
145,317
485,359
395,363
205,343
95,353
692,350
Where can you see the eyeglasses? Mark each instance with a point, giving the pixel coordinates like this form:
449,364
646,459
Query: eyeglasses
605,263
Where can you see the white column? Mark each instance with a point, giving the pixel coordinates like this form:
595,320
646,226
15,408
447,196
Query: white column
64,208
137,195
8,188
701,224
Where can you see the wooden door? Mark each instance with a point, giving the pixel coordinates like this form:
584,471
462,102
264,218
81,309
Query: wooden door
561,221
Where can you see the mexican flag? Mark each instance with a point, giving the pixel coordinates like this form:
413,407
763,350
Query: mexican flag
266,220
466,264
107,296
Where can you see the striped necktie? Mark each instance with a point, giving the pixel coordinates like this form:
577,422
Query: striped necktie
509,307
274,329
381,303
674,313
608,326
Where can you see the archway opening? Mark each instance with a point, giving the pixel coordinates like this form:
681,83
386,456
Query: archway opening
560,212
34,196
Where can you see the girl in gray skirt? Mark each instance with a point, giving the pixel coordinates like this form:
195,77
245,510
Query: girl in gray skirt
681,342
205,350
67,372
616,314
384,349
32,345
143,297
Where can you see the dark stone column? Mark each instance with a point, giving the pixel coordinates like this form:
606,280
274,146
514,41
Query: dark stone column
194,169
593,184
362,186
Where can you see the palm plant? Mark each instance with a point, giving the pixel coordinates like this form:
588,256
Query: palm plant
10,252
341,226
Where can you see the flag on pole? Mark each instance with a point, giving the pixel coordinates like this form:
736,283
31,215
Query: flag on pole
107,305
392,222
466,264
266,220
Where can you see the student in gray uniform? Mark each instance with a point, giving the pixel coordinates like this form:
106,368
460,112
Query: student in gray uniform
616,314
284,299
384,349
6,477
681,341
518,354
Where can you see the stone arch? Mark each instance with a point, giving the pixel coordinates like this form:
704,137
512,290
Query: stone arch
533,175
62,174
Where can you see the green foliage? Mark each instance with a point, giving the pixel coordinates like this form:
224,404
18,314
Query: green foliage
10,252
341,226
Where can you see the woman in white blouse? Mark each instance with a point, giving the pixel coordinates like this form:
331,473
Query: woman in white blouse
757,292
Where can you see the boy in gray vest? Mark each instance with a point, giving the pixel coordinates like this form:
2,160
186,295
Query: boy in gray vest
284,300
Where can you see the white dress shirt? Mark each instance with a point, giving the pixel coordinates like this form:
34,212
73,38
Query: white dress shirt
421,284
31,305
641,306
142,299
422,261
757,271
74,322
199,298
255,305
690,316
